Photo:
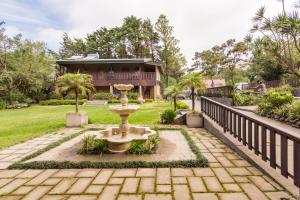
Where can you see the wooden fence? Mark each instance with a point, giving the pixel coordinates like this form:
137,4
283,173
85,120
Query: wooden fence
255,134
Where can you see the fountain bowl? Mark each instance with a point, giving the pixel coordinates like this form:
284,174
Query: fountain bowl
119,144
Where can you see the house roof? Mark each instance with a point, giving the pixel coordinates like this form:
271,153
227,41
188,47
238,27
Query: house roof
93,60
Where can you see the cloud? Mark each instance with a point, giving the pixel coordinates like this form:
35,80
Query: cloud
198,24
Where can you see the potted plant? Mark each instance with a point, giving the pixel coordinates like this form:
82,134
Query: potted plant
195,82
75,84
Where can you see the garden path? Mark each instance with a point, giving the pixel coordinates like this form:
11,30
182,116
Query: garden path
228,177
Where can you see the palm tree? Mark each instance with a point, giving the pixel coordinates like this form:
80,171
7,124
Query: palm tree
75,84
173,91
195,82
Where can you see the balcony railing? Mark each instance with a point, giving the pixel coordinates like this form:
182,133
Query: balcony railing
135,78
259,137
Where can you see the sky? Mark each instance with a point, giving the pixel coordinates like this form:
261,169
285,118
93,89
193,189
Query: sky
198,24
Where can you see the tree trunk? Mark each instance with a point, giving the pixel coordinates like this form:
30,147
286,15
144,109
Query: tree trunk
193,98
76,99
175,106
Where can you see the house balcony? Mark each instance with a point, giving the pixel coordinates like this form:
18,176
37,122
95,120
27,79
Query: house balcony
134,78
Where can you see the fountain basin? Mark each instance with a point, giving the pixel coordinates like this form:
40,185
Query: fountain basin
118,143
124,110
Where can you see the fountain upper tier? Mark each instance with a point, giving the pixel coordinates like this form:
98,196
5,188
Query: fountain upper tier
123,110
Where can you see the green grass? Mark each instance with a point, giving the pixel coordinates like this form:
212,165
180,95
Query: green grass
23,124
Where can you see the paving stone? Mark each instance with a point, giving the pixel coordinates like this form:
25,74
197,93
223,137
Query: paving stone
66,173
261,183
116,181
110,192
12,186
278,195
181,172
216,164
52,181
163,176
213,184
41,177
209,157
88,173
253,192
79,186
124,173
54,197
11,197
81,197
147,185
179,180
163,188
4,181
231,187
37,193
158,197
225,162
241,179
203,172
196,184
10,173
30,173
130,197
94,189
241,163
23,190
276,185
231,156
204,196
146,172
238,171
233,196
181,192
63,186
130,185
103,176
255,171
223,175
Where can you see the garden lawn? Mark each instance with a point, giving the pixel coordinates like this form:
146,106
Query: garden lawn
23,124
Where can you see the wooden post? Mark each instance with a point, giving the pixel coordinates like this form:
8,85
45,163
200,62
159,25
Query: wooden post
140,91
111,89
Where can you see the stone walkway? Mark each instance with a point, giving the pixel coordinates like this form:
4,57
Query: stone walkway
15,153
229,177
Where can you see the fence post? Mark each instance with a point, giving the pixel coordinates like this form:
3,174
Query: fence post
297,163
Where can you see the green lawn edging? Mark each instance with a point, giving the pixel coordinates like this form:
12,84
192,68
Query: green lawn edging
200,160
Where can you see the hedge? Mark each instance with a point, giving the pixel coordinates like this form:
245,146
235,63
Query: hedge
55,102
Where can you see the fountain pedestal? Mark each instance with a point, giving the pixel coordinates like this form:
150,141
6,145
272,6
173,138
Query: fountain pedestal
120,138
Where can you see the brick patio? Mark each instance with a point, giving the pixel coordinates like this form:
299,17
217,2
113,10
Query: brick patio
229,177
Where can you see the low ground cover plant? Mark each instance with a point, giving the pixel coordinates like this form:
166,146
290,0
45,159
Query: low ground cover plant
181,105
91,145
140,147
246,98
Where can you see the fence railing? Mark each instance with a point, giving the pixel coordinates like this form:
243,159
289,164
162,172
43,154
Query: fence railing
223,91
270,143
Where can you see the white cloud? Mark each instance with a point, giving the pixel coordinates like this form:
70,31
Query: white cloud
198,24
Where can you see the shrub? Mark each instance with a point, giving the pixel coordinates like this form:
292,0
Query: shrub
139,147
148,100
133,95
168,116
72,96
283,111
181,105
2,105
118,101
295,110
91,145
245,99
103,96
17,106
274,99
56,102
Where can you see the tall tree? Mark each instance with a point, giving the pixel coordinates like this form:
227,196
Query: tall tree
280,36
169,53
209,62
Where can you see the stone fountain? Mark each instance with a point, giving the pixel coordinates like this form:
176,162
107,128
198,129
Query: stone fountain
120,138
